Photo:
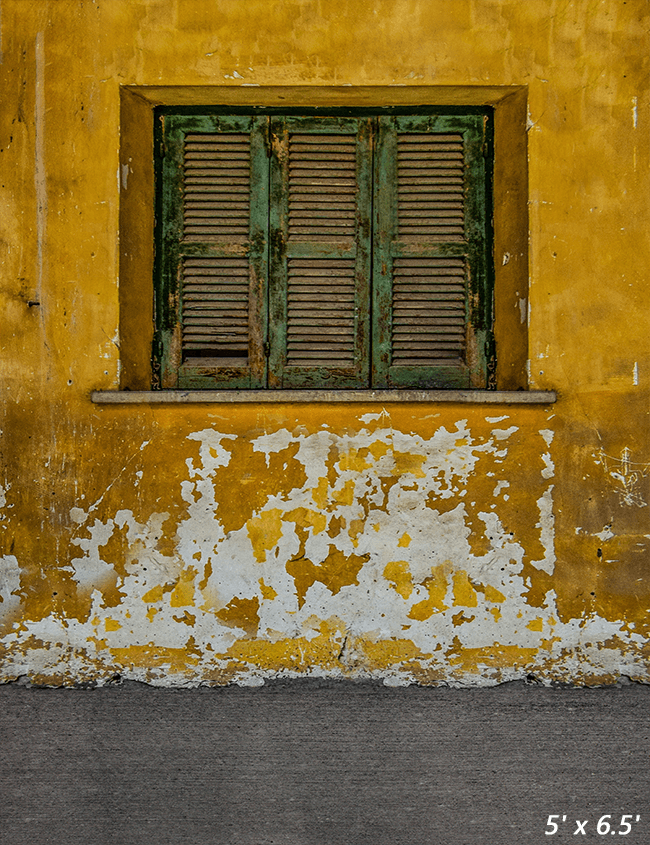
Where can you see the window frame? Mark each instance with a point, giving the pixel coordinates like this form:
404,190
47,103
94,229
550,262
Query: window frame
377,155
134,293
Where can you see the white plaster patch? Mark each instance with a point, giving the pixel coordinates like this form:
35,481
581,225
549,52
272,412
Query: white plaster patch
9,584
91,570
523,310
500,485
392,497
549,466
367,418
503,433
548,435
546,527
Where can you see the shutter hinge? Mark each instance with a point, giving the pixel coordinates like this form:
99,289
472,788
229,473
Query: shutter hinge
267,138
267,349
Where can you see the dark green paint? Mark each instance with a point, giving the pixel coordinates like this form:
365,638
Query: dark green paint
374,249
475,248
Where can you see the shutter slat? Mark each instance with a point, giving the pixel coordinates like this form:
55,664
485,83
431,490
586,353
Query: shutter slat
216,166
215,305
427,294
322,186
213,251
429,168
213,294
209,212
308,340
422,331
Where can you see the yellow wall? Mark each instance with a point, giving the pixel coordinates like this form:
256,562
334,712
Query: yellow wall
429,543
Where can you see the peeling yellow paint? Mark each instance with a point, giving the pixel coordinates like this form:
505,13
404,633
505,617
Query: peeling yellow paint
335,572
245,541
496,655
154,594
151,656
398,573
356,527
306,518
492,594
408,463
183,592
264,532
464,592
320,494
378,449
268,592
242,613
354,460
436,585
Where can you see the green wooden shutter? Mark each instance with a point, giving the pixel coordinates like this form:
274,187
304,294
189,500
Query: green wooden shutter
431,303
213,252
321,176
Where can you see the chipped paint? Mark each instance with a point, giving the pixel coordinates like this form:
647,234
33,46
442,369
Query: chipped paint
375,539
416,544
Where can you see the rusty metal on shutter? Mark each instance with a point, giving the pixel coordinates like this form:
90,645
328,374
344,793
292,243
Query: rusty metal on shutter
216,208
322,212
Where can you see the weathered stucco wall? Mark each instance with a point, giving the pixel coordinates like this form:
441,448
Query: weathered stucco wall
427,543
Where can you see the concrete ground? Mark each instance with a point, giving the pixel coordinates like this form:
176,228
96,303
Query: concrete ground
324,763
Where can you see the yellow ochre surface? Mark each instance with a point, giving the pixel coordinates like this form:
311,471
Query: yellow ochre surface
423,543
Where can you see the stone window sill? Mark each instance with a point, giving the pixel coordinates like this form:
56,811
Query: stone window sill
188,397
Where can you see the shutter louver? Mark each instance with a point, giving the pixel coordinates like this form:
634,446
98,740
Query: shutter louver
322,258
216,206
219,210
428,324
430,187
322,187
215,309
426,259
320,312
216,195
322,209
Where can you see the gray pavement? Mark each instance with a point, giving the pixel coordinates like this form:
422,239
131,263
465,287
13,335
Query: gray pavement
324,763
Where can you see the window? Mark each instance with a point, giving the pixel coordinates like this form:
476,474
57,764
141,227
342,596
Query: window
326,249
